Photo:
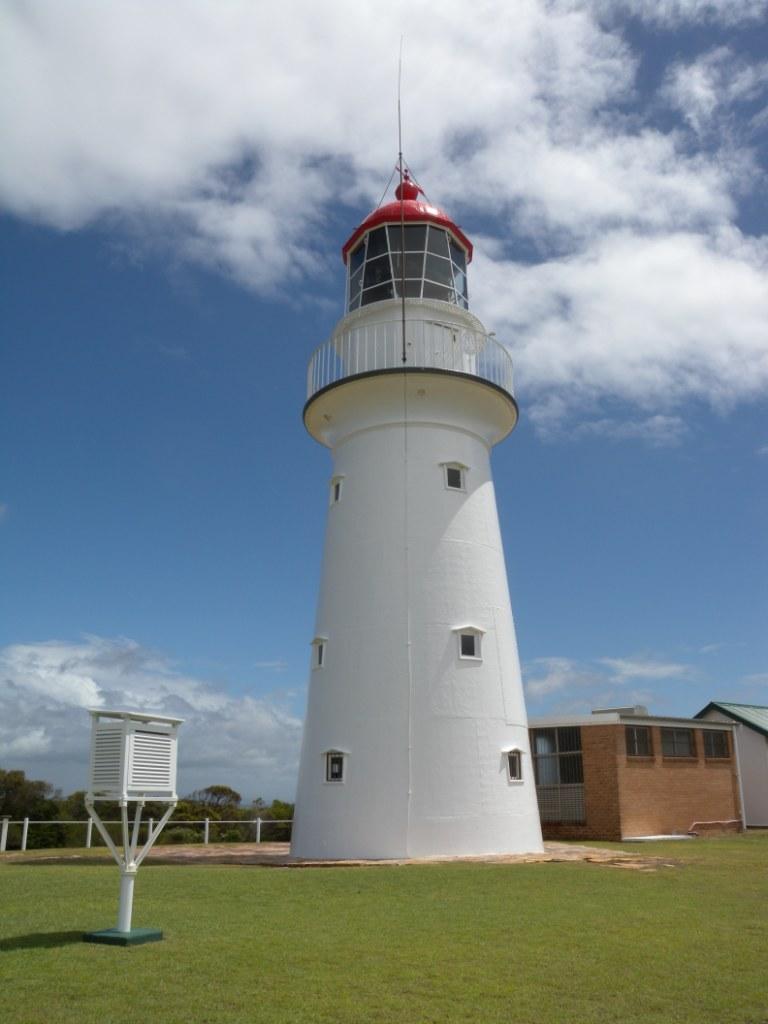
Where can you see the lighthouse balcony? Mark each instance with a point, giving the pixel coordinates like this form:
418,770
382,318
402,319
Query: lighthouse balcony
431,345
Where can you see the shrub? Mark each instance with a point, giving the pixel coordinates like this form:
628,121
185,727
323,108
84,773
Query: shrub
179,836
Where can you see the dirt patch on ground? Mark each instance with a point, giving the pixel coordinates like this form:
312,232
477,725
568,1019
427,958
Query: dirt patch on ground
278,855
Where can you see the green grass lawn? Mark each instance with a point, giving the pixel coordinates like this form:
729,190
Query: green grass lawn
519,944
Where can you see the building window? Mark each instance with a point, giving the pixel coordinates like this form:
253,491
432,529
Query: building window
334,766
470,642
319,645
514,766
677,743
716,743
336,487
638,741
559,773
454,476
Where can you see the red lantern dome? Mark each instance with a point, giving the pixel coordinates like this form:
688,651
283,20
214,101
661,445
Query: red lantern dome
412,210
410,248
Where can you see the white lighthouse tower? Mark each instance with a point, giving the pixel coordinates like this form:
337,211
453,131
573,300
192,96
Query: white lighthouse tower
416,738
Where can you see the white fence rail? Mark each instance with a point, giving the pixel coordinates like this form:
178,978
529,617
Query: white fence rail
256,824
429,345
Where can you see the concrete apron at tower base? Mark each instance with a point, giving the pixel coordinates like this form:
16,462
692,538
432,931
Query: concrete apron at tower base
424,733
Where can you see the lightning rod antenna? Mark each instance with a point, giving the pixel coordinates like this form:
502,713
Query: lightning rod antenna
402,208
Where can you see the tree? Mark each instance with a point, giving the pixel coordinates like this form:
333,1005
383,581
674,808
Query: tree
217,798
278,811
21,797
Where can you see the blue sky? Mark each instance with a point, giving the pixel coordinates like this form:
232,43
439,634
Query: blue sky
175,186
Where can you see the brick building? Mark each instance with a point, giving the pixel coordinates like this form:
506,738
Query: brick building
621,772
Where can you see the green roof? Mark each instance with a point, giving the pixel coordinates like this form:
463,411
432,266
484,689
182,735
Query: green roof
753,715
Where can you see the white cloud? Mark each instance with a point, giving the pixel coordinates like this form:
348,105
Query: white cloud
658,431
756,679
625,669
651,320
560,685
703,88
28,743
545,676
229,133
249,743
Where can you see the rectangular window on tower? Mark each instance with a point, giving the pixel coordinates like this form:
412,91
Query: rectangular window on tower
455,476
334,766
469,639
336,489
319,645
514,766
469,645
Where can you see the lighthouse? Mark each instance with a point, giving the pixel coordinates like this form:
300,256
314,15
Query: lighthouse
416,740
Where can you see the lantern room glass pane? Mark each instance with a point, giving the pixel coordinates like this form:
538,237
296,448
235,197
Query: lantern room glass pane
377,294
356,258
377,271
438,291
460,280
414,265
438,270
377,243
458,256
412,288
437,242
415,237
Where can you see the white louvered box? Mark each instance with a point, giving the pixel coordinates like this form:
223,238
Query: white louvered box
133,756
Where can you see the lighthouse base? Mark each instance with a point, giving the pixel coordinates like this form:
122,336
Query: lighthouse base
426,840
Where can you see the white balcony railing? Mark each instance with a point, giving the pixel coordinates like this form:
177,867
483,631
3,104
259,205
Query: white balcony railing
429,345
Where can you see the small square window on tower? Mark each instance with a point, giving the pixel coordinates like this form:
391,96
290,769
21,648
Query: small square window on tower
470,642
319,651
336,489
335,761
470,647
455,476
514,764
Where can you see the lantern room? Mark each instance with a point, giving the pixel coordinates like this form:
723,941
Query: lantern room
407,247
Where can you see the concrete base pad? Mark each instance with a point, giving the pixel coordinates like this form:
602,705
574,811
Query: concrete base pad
135,937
